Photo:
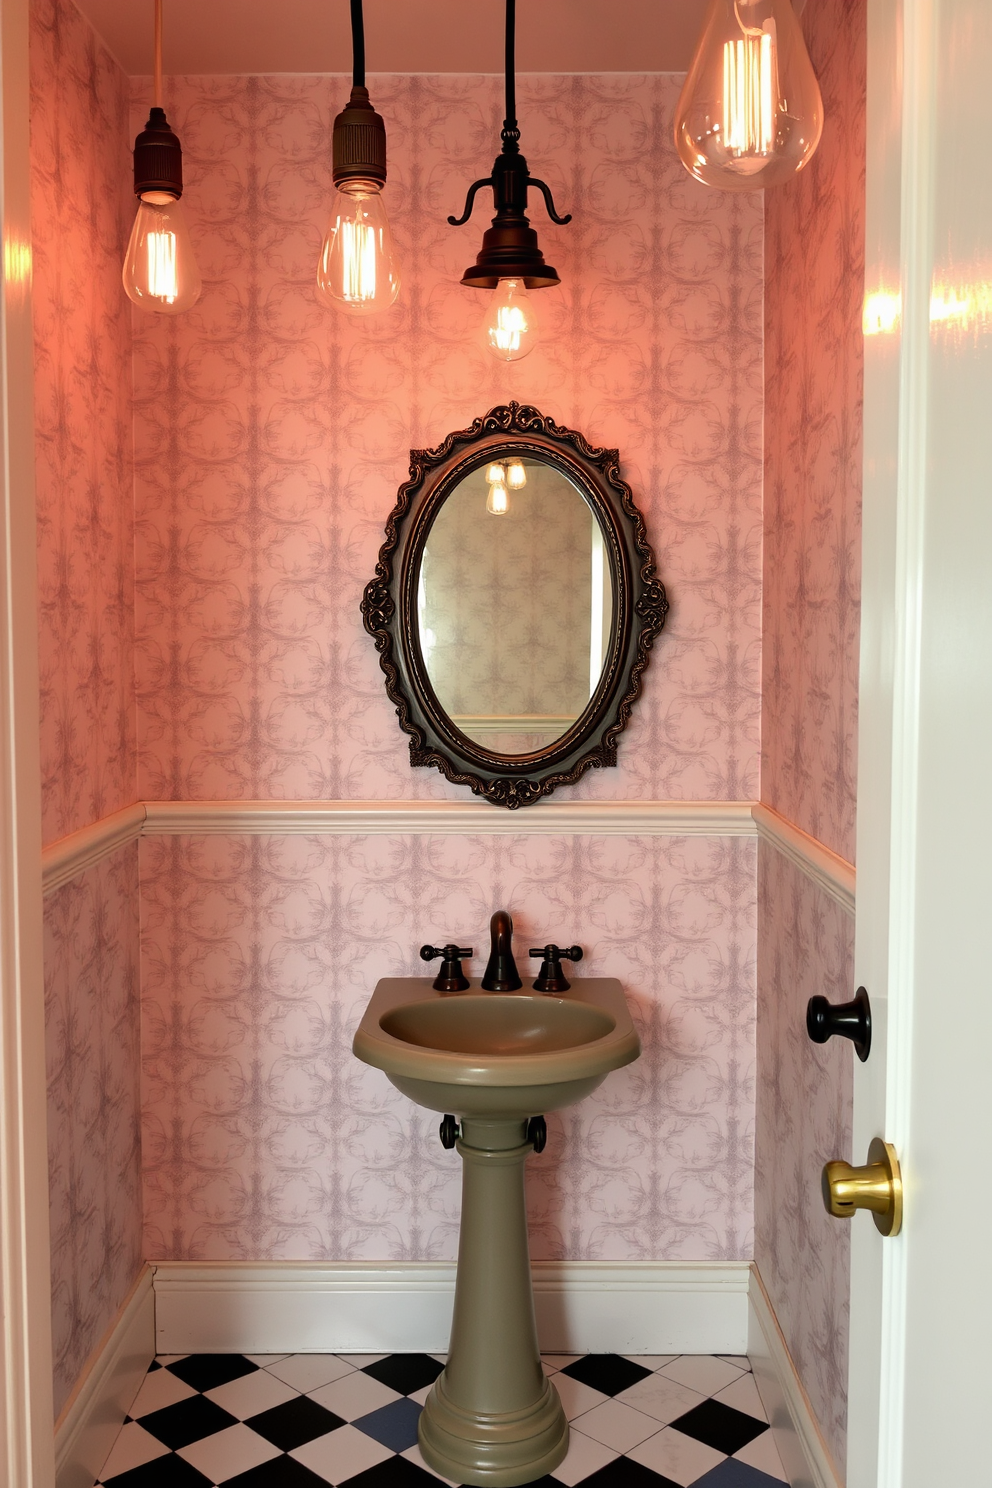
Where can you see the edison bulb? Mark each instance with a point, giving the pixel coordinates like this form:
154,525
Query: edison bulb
509,329
498,502
495,475
356,270
160,271
516,475
750,113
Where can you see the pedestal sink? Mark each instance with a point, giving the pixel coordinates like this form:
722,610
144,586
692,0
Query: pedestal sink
495,1060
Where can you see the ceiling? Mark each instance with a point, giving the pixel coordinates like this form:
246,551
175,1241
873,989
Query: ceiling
239,36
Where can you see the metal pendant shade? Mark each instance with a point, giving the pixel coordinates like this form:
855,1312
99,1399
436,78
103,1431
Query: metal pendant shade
510,249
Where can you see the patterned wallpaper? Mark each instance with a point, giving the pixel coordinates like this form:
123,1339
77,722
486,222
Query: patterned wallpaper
814,252
81,210
815,272
265,1139
81,206
91,1007
805,946
271,434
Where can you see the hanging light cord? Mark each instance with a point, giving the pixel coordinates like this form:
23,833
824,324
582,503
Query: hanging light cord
510,133
357,45
158,54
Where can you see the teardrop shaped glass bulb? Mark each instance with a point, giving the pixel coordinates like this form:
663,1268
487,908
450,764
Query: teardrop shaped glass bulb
509,330
498,502
160,271
356,270
750,113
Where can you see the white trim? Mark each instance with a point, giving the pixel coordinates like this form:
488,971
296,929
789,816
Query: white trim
828,870
94,1413
69,856
453,818
804,1453
639,1307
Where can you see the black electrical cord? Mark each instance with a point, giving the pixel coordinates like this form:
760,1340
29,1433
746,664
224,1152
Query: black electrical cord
358,45
510,121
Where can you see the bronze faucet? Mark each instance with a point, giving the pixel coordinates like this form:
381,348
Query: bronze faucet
501,973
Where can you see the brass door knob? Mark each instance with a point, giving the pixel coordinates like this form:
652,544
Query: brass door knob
877,1186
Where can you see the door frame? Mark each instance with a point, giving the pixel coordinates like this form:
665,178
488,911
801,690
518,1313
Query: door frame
26,1428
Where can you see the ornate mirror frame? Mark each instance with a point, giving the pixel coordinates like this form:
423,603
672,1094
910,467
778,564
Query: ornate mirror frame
389,607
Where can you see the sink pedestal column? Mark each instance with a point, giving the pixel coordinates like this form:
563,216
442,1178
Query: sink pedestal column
492,1416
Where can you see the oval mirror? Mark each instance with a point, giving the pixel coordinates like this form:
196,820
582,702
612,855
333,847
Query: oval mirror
514,606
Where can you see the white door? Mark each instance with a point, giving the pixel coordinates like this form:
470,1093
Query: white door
921,1309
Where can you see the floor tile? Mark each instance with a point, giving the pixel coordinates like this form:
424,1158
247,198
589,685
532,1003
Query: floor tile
207,1371
702,1372
159,1389
396,1472
165,1472
308,1372
420,1396
625,1473
743,1396
404,1372
297,1421
608,1373
228,1453
652,1361
762,1453
559,1361
178,1425
584,1456
412,1454
616,1425
341,1455
162,1361
134,1446
720,1426
251,1394
281,1472
736,1474
663,1398
394,1425
360,1361
576,1398
676,1456
263,1360
741,1360
355,1395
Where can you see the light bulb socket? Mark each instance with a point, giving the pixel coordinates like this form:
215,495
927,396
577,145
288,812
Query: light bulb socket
359,143
510,249
158,158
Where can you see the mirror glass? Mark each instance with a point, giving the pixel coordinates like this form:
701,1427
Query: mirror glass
514,604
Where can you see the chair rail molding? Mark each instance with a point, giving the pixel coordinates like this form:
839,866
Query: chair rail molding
827,869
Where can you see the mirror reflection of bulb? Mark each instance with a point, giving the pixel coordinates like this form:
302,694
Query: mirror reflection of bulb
495,475
498,502
160,271
509,330
516,475
356,270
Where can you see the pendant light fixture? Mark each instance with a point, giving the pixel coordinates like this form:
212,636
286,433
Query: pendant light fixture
750,112
510,261
503,478
356,271
160,271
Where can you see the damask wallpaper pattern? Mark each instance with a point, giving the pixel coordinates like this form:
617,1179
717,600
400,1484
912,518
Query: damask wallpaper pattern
81,204
265,1139
94,1062
814,255
271,434
804,1093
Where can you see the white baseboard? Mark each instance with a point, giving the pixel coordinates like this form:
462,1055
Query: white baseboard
663,1307
94,1413
805,1455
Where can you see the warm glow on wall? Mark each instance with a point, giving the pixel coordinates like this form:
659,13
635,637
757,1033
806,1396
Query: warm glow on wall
964,307
16,261
881,313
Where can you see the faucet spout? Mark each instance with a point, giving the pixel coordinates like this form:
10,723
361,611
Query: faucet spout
501,973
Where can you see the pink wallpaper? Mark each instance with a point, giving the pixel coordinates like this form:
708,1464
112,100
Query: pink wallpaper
814,251
81,202
264,1138
91,1006
805,946
813,369
271,434
81,208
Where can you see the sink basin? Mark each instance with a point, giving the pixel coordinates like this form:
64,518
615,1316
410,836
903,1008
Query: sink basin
475,1053
495,1060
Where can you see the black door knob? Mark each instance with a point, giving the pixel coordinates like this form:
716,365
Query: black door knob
850,1020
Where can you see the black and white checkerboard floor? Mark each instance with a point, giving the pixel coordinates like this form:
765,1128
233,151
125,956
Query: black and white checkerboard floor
306,1420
